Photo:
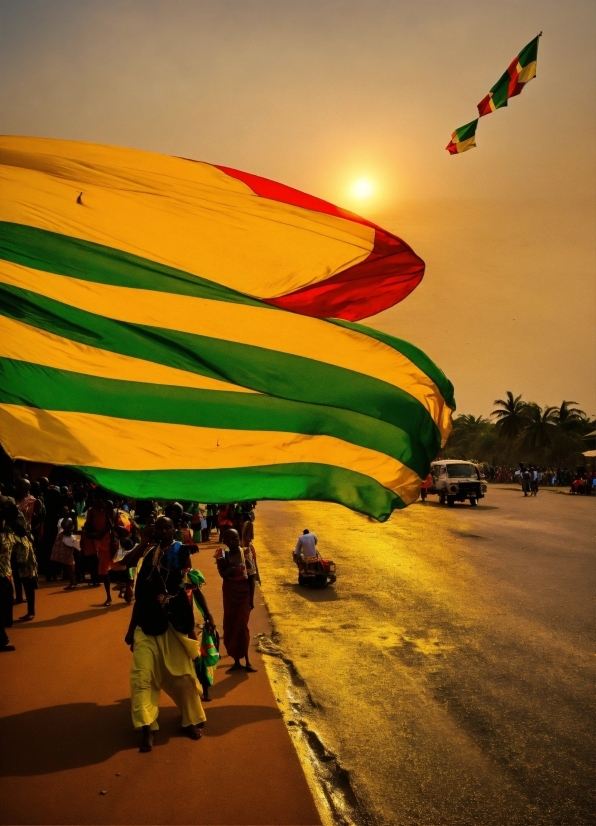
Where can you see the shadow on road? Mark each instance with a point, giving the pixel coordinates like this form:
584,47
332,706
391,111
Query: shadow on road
222,687
224,719
313,594
458,505
59,738
68,619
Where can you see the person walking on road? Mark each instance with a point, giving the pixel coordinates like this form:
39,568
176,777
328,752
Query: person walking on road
534,480
526,481
162,634
238,569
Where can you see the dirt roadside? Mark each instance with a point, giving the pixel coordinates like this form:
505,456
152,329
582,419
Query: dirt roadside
66,733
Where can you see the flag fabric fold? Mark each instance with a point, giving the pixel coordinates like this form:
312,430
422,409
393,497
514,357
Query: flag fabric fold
521,70
152,334
463,138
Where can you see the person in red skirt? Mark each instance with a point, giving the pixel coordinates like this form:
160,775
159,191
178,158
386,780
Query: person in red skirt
237,567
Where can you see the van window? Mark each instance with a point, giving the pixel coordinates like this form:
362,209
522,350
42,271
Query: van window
462,471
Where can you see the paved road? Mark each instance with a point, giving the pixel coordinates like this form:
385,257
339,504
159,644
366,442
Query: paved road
451,667
66,734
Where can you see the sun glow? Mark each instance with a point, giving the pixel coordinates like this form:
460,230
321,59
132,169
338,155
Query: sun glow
362,188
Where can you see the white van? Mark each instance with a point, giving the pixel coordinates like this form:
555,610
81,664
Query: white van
455,480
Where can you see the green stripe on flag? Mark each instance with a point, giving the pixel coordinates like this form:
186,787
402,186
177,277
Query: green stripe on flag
267,371
47,388
466,132
40,249
529,53
309,481
61,255
416,356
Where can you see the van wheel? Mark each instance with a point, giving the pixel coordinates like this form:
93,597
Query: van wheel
473,501
451,501
301,579
441,499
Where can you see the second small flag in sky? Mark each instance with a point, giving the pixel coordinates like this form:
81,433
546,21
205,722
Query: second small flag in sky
463,138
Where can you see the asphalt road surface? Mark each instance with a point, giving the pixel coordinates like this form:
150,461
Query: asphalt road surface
450,668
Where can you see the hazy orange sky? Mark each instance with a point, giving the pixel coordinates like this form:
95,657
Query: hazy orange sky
320,94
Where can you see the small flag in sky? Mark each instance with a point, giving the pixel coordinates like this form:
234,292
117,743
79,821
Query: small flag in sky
521,70
463,138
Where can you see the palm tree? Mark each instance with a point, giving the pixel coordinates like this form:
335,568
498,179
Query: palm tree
470,425
510,415
568,417
540,426
470,438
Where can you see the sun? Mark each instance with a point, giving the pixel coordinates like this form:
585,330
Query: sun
362,188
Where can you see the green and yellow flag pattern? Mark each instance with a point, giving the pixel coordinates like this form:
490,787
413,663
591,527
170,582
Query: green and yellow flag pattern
520,71
463,138
157,382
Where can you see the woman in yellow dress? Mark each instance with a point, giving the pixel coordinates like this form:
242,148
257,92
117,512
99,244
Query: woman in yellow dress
162,633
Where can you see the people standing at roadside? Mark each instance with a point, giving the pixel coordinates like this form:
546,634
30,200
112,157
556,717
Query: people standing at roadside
51,500
211,514
17,542
238,569
98,528
425,486
185,534
162,634
195,521
224,520
28,504
64,550
30,507
534,480
6,598
26,562
37,520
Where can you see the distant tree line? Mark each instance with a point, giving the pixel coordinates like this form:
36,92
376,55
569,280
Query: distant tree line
523,431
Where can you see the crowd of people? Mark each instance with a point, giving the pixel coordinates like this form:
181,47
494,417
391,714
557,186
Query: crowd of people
83,536
580,480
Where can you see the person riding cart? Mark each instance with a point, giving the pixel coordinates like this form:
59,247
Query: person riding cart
312,568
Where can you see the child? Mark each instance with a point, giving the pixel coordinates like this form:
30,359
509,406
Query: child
209,641
65,547
185,532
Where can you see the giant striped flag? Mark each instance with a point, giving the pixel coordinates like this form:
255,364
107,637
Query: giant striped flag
163,329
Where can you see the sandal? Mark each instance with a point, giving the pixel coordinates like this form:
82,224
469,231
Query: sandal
192,731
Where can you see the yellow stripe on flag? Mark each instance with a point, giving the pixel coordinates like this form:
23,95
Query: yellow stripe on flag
68,438
280,331
23,342
188,215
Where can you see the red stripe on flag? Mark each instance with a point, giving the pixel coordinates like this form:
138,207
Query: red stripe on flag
288,195
484,106
387,276
513,75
